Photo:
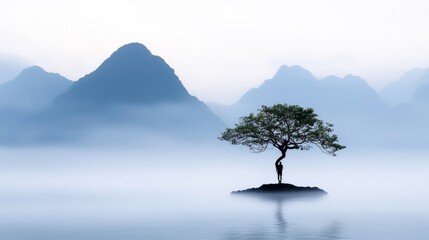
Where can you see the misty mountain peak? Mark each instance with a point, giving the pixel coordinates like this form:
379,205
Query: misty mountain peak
349,81
293,73
132,74
289,84
33,88
32,72
356,81
350,77
36,75
294,77
331,79
131,50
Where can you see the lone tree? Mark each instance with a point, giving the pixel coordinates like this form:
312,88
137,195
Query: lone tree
283,127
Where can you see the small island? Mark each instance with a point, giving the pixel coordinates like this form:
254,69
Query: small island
282,188
285,127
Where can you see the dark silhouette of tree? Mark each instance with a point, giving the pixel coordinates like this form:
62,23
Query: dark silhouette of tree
283,127
279,169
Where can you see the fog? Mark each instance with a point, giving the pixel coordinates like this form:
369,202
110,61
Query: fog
120,124
182,191
10,66
120,166
128,152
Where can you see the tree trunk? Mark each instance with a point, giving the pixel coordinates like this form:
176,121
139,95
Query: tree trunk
279,172
280,158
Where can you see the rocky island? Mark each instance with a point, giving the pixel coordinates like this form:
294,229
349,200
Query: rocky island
282,189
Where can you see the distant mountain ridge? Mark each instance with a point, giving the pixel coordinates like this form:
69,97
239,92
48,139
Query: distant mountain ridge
32,89
404,89
297,85
331,96
132,95
349,103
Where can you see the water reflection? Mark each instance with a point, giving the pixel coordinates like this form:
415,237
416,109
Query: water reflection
281,223
281,228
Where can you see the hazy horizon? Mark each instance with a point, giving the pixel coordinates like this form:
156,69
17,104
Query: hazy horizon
233,46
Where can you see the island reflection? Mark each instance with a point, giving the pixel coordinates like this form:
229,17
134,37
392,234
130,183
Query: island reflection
281,227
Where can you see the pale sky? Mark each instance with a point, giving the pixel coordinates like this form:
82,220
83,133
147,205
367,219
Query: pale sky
222,48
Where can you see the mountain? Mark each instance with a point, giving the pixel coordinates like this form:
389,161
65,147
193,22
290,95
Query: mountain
133,96
134,88
291,84
331,96
131,75
410,121
349,103
349,95
32,89
410,97
403,90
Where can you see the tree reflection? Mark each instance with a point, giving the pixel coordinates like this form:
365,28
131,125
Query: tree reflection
281,227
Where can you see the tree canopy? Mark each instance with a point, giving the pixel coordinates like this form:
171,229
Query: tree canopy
283,127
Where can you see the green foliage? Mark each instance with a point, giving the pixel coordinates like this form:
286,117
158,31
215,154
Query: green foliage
284,127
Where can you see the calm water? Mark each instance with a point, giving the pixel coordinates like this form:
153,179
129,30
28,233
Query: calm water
97,195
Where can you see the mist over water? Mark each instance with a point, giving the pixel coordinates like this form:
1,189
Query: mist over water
126,152
183,192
